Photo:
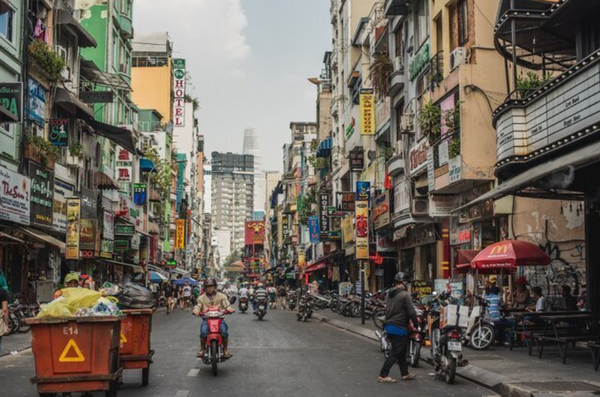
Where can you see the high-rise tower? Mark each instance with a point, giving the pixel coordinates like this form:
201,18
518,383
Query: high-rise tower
251,147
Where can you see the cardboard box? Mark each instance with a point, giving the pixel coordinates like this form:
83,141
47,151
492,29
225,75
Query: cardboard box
454,315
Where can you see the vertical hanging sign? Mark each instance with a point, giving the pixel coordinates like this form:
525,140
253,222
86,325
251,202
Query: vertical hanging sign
362,229
180,234
73,215
179,92
367,111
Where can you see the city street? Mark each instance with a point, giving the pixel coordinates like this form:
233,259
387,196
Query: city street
276,357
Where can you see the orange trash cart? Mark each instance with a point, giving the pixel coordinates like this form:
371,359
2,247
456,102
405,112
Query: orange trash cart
76,354
135,341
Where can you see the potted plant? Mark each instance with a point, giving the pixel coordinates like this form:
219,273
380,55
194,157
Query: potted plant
41,150
381,70
47,60
531,82
76,150
430,121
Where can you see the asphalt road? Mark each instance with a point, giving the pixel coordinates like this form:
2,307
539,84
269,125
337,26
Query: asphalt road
276,357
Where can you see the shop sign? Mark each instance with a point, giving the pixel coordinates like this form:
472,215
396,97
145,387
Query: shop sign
442,153
124,156
179,92
333,212
254,232
171,263
331,235
357,159
381,211
313,229
418,157
460,235
363,191
135,241
285,227
139,193
421,235
42,193
124,174
344,201
350,129
430,170
11,99
367,111
401,195
454,169
419,62
447,105
14,196
385,243
97,96
362,229
324,218
59,205
441,205
106,249
73,225
180,234
59,132
108,229
348,229
124,230
121,245
422,288
37,102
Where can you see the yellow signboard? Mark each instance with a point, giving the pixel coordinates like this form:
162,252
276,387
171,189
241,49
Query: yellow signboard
73,228
348,229
362,229
367,111
180,234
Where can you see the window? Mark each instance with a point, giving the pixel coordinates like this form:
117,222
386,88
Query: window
422,24
399,38
6,25
463,22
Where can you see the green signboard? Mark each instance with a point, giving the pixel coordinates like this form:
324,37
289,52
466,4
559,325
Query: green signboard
124,230
121,245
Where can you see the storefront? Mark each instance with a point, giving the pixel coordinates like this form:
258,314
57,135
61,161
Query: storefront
419,252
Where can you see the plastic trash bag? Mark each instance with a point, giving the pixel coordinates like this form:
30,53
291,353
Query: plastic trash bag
56,308
78,298
135,296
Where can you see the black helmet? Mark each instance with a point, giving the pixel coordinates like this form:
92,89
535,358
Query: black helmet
210,282
401,277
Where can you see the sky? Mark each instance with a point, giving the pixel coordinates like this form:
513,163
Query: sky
249,61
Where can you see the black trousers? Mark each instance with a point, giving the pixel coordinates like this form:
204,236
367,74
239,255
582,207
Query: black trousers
397,355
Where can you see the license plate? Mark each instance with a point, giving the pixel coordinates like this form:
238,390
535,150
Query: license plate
454,346
261,307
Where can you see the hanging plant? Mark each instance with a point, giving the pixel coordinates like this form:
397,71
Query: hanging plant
381,71
531,82
430,121
49,61
388,152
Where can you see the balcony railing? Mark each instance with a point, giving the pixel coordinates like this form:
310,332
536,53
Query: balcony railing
435,74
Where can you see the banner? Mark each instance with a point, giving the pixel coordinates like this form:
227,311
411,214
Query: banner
179,92
73,214
348,229
367,111
363,191
59,217
180,234
362,229
313,228
15,197
37,102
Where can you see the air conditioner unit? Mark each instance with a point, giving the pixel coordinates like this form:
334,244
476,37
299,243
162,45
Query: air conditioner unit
407,123
400,148
458,57
420,206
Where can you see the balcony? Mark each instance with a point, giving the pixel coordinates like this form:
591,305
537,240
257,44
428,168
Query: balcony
397,79
561,113
124,22
397,7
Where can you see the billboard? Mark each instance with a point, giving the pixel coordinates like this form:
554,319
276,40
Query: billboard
255,232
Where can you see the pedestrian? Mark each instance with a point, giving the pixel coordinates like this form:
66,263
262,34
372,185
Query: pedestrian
272,296
521,296
570,300
398,312
4,327
3,283
168,294
187,296
281,296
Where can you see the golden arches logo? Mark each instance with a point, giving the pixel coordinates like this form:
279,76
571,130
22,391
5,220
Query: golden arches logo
499,249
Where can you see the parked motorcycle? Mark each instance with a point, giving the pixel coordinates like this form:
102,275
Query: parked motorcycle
416,336
243,306
304,308
480,332
261,309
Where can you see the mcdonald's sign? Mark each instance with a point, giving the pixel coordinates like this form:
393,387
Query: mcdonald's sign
500,250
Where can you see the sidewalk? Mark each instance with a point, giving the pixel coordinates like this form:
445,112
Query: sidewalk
510,373
15,342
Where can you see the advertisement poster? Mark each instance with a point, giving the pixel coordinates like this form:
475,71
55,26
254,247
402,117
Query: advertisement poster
348,229
362,229
59,132
367,111
61,192
73,214
108,232
255,232
381,211
422,288
363,191
180,234
37,102
42,193
15,193
313,228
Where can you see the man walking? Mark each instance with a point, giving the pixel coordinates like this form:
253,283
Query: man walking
281,295
399,310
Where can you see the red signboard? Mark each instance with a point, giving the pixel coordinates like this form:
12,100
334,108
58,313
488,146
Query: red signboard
255,232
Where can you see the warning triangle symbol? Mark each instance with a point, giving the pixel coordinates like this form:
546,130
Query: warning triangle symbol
71,353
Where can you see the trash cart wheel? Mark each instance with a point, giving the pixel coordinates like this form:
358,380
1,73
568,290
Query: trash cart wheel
114,388
145,376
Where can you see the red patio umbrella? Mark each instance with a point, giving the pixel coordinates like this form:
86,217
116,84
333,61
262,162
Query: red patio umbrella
508,255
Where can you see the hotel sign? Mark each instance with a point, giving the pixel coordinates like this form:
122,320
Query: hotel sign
179,92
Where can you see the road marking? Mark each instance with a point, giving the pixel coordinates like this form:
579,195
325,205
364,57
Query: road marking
193,373
182,393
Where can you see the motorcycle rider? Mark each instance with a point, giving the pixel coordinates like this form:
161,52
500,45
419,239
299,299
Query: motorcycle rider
399,310
209,299
260,295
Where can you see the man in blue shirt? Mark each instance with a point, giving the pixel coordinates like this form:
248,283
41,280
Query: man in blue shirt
495,304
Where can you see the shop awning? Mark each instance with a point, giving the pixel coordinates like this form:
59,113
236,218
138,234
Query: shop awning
465,257
539,175
179,271
325,147
118,135
65,17
92,73
147,165
315,267
43,237
105,182
7,238
73,105
136,268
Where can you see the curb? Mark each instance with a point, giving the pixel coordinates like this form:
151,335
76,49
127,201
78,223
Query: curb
474,374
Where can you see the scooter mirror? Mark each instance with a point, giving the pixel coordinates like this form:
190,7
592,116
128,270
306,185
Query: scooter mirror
232,300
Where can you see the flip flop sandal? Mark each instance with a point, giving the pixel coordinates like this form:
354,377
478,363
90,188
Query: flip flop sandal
386,380
199,355
409,377
227,356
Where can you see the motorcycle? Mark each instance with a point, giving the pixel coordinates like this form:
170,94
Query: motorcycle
384,342
416,336
446,342
261,309
213,351
480,333
243,304
304,308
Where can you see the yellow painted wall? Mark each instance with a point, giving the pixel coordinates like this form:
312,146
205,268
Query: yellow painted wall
152,89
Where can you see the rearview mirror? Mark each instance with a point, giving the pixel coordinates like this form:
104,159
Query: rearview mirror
232,300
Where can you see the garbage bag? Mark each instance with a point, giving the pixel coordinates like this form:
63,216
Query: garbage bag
78,298
135,296
56,308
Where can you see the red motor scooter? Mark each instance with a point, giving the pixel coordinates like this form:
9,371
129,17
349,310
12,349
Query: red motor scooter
213,351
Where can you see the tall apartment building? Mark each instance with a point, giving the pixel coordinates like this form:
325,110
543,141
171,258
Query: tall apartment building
232,194
251,146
